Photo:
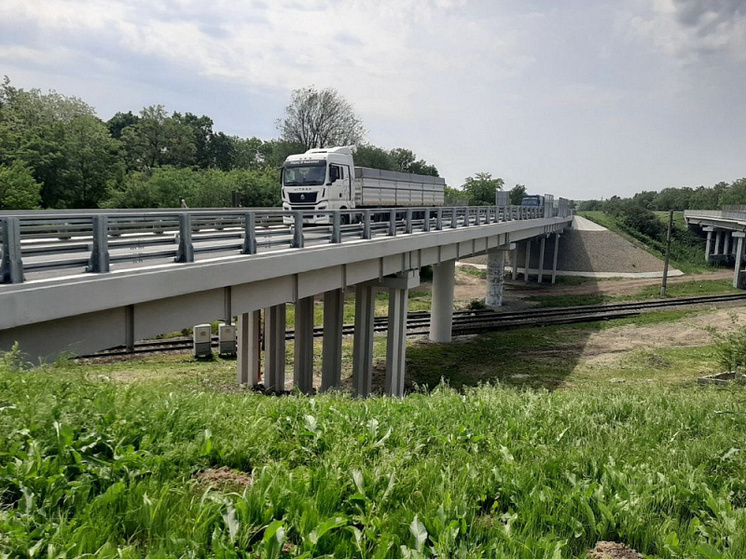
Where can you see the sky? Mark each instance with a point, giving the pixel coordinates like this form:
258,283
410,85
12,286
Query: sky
577,98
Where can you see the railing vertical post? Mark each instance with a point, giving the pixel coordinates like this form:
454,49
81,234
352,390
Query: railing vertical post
366,224
185,252
454,218
392,223
336,227
467,216
439,219
408,224
11,266
426,223
249,236
298,230
99,262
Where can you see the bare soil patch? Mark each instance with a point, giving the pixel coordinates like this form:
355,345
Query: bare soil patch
613,550
223,479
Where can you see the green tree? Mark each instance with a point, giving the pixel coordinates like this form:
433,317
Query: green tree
516,194
90,163
481,189
18,188
735,194
157,140
318,119
374,157
407,162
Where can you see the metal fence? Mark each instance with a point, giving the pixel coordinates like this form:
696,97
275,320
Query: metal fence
100,240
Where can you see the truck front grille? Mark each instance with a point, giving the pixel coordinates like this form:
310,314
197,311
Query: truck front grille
302,197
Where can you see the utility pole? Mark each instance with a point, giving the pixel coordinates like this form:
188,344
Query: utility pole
668,250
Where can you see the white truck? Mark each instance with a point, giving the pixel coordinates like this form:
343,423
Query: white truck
327,179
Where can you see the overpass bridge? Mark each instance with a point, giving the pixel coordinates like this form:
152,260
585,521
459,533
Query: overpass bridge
81,282
725,230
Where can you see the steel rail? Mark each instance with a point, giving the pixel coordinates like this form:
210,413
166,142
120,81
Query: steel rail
467,322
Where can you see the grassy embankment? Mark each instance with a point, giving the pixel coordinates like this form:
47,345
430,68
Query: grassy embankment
687,250
120,460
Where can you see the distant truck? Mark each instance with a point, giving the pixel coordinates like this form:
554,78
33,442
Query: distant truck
534,201
327,179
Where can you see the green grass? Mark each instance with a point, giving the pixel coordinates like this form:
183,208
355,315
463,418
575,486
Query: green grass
540,453
683,289
686,254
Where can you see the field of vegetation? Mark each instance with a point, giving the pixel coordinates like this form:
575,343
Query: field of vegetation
529,452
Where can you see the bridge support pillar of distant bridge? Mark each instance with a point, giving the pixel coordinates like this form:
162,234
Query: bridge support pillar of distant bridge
441,310
554,257
708,243
249,347
542,251
496,275
726,248
303,358
739,259
527,263
274,348
331,357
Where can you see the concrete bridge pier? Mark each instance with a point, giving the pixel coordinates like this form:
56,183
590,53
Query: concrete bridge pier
496,274
331,357
396,337
528,261
441,310
739,259
362,347
249,347
303,358
708,243
554,257
727,248
274,345
542,250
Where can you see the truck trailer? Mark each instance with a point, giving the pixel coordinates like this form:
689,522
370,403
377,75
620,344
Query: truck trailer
327,179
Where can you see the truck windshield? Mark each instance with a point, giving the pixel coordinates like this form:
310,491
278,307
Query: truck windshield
302,175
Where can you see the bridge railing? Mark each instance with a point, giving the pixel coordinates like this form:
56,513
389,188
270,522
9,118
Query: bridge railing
99,241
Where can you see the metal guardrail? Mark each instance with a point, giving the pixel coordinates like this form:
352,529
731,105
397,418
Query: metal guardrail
95,241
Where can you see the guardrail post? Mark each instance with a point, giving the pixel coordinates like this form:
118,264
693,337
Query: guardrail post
408,224
336,227
454,218
467,216
249,236
185,252
11,266
366,224
439,219
426,223
99,262
392,223
298,230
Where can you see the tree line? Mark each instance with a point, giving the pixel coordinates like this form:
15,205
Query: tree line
677,199
56,153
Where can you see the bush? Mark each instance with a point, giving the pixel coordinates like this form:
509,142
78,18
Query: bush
730,347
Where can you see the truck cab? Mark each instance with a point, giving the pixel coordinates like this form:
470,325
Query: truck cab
319,179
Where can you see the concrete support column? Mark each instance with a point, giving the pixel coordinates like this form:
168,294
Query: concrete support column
528,260
396,341
331,357
514,263
495,278
726,248
274,347
249,348
303,359
554,259
362,350
441,311
708,246
542,248
718,238
739,259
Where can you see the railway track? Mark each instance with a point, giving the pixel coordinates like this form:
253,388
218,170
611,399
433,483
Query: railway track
472,321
